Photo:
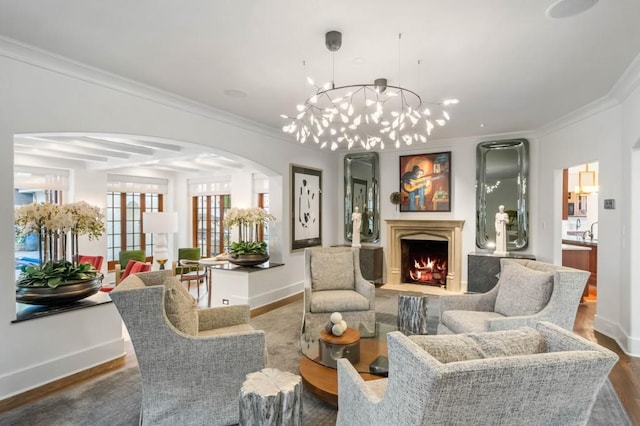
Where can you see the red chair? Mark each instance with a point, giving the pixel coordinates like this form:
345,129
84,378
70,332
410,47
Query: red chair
95,261
133,267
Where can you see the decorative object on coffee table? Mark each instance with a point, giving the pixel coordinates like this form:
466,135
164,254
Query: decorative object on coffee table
346,345
336,325
271,397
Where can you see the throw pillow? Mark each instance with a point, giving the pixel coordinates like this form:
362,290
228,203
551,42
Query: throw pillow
522,291
180,307
332,270
522,341
450,347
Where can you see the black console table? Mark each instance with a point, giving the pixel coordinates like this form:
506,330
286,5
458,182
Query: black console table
484,270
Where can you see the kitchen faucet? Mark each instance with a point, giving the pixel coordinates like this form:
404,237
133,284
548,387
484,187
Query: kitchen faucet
589,232
577,224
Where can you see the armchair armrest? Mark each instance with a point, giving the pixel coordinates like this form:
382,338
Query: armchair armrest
210,318
469,302
366,289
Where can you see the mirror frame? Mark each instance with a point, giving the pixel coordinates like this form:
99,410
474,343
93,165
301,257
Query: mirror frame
521,147
373,194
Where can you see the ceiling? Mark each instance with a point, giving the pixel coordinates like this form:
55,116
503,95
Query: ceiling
108,152
512,67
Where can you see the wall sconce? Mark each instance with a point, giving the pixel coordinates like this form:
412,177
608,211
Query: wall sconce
160,224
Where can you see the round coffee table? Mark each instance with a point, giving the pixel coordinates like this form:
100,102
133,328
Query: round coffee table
319,374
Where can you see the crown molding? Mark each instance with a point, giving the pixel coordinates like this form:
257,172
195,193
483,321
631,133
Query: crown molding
628,82
40,58
582,113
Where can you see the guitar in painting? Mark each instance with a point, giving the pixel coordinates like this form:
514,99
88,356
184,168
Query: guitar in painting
410,185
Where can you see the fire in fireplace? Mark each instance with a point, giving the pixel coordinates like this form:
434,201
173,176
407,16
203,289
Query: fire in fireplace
424,261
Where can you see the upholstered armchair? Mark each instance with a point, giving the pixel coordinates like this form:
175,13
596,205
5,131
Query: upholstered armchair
541,376
123,260
527,291
192,361
333,283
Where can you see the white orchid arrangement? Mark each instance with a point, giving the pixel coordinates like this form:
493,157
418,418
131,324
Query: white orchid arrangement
53,222
247,221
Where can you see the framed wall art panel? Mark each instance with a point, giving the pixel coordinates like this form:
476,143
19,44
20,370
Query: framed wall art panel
306,207
425,182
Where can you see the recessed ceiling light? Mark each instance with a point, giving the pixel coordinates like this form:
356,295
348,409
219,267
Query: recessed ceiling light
235,93
568,8
481,124
358,61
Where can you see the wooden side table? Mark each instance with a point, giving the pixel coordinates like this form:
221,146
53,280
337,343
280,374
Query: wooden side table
271,397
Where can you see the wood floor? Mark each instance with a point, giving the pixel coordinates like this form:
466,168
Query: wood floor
625,376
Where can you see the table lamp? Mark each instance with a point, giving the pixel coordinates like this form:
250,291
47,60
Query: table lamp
160,224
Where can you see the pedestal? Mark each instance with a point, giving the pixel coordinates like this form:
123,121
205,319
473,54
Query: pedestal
332,348
371,259
484,270
271,397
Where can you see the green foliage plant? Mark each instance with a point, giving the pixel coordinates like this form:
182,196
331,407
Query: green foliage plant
55,273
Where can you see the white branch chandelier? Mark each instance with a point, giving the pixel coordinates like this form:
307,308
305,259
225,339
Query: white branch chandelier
364,115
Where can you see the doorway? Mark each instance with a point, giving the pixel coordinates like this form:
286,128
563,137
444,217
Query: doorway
580,222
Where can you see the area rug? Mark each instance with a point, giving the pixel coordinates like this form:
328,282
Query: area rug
114,399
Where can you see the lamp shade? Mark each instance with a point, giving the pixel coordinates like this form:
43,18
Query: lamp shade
160,222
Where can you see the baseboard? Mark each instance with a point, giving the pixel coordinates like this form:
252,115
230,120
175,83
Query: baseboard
628,344
278,303
57,385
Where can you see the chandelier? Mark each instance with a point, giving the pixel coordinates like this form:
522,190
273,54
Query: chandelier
364,115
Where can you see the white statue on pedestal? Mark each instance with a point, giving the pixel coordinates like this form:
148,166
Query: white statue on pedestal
356,218
501,232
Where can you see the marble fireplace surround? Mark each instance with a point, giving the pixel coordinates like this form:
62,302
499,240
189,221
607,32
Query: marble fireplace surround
451,230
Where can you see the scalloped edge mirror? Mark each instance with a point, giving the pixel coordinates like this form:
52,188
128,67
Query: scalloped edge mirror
361,188
502,172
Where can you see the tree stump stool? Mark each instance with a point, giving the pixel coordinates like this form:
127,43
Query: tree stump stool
412,313
271,397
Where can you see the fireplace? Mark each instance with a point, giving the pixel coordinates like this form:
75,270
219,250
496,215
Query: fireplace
424,261
434,233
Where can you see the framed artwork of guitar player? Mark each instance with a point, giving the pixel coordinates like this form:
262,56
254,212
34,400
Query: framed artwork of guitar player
425,182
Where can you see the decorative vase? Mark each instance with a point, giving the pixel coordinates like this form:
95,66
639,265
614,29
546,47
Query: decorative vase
248,259
60,295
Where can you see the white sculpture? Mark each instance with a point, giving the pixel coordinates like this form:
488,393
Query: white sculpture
356,218
501,232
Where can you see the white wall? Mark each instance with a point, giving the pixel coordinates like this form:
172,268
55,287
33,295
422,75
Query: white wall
50,96
606,135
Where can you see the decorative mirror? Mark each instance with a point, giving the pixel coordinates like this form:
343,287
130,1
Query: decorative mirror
361,174
501,180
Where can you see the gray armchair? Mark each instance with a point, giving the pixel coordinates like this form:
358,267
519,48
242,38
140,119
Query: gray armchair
528,291
192,361
542,376
333,283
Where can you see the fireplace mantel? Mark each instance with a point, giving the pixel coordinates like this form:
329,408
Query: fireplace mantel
451,230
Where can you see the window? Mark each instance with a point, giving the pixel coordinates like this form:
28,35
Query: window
263,202
124,222
209,231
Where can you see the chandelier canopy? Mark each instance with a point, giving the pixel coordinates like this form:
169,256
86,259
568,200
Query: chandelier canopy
364,115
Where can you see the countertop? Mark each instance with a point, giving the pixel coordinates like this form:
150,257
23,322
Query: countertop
579,241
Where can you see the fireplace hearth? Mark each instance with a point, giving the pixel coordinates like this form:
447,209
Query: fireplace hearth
422,232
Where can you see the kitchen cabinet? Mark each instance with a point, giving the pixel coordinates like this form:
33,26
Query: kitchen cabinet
582,254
